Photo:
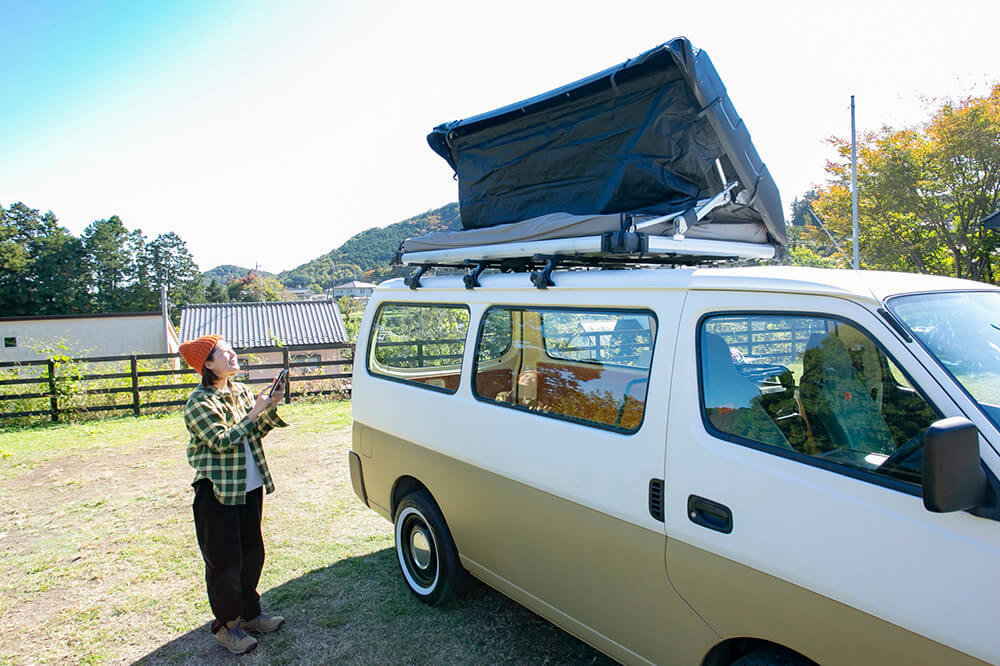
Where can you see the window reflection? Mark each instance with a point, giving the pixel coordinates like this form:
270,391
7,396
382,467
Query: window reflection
420,343
585,365
812,385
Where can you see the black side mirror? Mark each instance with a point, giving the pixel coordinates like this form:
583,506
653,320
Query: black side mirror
952,475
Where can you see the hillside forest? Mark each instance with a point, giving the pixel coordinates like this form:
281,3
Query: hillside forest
922,191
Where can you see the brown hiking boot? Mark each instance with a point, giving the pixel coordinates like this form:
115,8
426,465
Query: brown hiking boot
264,624
236,639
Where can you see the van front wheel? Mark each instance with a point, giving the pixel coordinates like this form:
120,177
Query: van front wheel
427,555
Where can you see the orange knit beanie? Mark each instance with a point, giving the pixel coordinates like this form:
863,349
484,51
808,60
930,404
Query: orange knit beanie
195,352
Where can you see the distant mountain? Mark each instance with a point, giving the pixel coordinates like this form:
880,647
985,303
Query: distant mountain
228,272
367,255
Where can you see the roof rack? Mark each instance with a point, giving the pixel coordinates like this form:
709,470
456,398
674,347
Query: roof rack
610,250
615,247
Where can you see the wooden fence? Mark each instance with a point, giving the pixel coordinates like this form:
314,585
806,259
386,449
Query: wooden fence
50,375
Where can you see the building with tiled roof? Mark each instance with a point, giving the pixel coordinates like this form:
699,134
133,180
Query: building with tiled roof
308,332
268,324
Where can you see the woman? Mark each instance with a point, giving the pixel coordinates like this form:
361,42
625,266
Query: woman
227,425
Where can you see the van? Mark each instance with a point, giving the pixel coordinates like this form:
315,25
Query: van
696,465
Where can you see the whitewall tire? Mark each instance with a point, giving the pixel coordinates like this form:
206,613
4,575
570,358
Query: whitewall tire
426,552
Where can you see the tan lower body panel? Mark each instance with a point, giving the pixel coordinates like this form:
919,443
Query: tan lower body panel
600,578
738,601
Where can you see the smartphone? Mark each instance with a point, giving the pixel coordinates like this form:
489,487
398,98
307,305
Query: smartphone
282,377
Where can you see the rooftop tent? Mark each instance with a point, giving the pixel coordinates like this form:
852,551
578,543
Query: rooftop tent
654,136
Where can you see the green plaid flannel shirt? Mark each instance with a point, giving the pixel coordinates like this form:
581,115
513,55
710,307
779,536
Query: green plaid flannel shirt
217,421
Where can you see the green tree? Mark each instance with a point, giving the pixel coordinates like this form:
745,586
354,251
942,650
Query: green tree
166,262
351,311
42,267
800,209
17,226
922,192
254,288
227,272
112,251
215,292
60,281
808,245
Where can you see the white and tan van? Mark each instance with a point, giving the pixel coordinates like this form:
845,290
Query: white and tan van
697,466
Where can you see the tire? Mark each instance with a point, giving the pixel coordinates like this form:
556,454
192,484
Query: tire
426,552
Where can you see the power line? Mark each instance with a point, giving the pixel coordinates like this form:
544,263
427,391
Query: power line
827,232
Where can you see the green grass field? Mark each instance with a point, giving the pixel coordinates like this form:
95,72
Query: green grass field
99,563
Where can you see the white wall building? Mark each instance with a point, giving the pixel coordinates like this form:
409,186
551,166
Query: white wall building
119,334
302,293
354,289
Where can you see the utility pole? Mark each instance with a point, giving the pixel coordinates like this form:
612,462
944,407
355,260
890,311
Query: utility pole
165,312
854,189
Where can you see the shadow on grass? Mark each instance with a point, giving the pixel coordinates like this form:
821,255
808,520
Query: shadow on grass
359,611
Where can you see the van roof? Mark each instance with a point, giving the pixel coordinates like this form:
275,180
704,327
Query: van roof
864,285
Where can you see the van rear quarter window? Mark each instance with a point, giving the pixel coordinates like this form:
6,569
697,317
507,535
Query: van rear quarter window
587,366
814,386
419,343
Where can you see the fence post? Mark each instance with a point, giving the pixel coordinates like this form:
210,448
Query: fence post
53,402
135,384
288,385
353,350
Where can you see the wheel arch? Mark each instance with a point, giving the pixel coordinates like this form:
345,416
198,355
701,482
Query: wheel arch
731,649
403,486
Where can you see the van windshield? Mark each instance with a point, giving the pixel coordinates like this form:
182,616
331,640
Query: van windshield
962,331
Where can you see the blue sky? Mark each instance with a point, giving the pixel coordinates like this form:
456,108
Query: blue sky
267,133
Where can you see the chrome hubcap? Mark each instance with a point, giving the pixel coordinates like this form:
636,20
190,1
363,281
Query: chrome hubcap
420,548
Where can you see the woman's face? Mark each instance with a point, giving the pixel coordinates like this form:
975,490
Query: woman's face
223,361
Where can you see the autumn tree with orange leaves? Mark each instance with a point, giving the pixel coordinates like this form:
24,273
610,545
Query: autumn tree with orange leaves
922,191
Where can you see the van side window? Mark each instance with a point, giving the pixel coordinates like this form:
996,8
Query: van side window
588,366
421,343
813,385
496,338
598,338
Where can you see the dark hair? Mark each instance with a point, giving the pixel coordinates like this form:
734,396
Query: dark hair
208,378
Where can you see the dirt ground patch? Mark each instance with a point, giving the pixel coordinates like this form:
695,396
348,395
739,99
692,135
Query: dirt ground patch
99,563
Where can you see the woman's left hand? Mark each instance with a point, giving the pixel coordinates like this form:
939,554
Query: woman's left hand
267,401
277,394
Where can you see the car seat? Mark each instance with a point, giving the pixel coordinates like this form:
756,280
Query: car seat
834,396
732,402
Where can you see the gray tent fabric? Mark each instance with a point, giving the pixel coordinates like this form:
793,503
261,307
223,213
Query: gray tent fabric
643,137
711,229
544,227
564,225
